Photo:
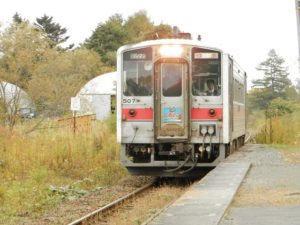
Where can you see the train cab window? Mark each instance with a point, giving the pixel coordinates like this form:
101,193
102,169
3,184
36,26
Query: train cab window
171,75
137,73
206,72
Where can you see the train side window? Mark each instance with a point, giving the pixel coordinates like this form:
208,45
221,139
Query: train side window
206,72
137,72
137,78
206,86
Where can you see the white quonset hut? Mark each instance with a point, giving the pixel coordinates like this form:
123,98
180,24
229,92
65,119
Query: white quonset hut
16,99
97,96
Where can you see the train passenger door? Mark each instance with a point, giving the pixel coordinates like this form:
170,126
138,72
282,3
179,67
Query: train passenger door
171,100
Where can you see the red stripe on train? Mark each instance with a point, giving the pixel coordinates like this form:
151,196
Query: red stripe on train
137,114
205,114
147,114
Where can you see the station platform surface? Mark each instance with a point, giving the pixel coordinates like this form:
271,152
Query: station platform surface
270,193
207,200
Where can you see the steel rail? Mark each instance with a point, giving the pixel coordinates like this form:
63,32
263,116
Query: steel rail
96,215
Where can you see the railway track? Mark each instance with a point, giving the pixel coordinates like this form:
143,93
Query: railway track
98,214
133,200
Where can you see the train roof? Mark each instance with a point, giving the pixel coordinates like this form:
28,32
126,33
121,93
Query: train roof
189,42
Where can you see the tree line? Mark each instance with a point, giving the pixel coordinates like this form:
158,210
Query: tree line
32,57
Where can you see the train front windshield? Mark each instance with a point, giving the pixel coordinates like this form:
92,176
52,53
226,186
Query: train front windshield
138,73
206,72
171,85
137,70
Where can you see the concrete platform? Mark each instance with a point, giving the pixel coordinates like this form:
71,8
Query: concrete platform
270,193
206,201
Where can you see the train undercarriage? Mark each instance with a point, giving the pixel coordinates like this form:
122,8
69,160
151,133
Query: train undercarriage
175,159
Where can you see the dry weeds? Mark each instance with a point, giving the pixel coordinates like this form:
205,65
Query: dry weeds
291,155
41,169
72,210
261,196
145,207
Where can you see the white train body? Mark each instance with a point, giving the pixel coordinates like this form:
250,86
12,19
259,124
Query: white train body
168,122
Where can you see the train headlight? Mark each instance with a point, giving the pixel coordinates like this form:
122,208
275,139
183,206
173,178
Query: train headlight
203,130
208,148
171,50
211,130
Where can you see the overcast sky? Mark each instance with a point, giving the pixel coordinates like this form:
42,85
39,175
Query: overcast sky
245,29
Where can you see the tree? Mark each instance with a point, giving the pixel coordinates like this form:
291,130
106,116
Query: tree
61,77
275,77
53,31
259,98
160,31
116,31
107,38
280,107
273,93
18,19
274,84
22,49
138,26
50,76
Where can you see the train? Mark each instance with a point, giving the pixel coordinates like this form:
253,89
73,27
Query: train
181,107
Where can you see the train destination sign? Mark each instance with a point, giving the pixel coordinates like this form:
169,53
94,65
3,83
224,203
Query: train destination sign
138,54
206,55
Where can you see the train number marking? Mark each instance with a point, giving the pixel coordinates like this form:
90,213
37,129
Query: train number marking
129,101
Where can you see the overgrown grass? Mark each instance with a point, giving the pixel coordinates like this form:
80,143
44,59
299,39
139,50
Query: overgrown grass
279,130
40,169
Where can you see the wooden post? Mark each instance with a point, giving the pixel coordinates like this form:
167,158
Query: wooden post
74,122
271,130
266,126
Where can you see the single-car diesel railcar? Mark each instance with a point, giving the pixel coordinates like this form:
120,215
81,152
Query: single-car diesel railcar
180,107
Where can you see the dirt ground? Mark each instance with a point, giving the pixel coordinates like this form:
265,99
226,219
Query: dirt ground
72,210
270,193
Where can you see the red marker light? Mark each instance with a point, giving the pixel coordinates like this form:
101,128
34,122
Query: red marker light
132,112
212,112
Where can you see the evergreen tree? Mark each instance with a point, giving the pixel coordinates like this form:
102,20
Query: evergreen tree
17,18
54,32
116,31
275,86
275,79
107,38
